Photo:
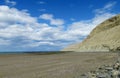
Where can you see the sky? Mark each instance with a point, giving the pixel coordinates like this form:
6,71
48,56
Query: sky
50,25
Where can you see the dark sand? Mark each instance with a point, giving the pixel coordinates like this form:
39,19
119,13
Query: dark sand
64,65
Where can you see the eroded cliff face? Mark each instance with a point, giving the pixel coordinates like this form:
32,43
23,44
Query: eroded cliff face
105,37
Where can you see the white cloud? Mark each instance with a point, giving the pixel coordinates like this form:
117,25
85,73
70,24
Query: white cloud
83,28
106,8
13,16
72,19
46,16
109,5
53,21
42,10
42,2
36,44
10,2
15,23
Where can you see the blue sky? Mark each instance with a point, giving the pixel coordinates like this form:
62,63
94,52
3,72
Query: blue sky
44,25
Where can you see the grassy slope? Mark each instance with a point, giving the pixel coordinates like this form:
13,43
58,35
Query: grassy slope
105,34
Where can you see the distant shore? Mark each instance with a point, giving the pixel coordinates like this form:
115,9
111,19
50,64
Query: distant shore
36,52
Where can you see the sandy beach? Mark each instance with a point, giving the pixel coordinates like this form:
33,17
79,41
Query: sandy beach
64,65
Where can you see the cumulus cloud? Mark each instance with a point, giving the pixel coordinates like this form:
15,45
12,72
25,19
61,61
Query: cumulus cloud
9,2
19,28
16,24
53,21
12,16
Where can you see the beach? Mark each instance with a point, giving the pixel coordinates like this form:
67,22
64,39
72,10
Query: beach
62,65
